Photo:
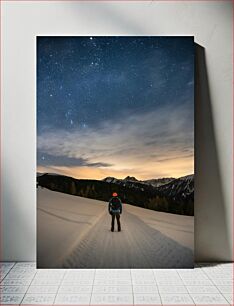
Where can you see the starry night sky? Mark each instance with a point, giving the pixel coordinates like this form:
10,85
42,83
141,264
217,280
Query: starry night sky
115,106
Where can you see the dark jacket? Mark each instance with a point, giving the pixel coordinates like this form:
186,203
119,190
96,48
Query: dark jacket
115,206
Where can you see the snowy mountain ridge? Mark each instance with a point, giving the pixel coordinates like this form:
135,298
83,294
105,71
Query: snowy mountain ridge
153,182
183,186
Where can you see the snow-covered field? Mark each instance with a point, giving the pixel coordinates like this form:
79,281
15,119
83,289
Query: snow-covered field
75,232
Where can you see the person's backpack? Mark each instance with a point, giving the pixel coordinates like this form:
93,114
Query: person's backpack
115,205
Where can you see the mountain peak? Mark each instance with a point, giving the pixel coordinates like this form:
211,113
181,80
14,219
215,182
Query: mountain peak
187,177
110,179
130,178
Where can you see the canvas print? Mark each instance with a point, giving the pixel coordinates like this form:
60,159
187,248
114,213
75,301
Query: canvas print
115,152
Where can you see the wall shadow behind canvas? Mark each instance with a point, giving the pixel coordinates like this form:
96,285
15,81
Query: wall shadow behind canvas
209,195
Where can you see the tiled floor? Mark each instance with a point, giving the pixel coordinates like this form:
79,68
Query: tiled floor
207,284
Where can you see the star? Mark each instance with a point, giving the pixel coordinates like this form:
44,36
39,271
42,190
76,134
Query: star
51,95
91,38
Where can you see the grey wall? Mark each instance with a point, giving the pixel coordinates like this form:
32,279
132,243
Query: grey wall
211,24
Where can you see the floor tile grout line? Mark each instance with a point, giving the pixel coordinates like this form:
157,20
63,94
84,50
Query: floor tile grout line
202,284
91,295
28,287
222,293
14,263
216,285
186,286
59,287
157,287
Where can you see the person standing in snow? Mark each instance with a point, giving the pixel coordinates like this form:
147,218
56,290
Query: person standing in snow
115,210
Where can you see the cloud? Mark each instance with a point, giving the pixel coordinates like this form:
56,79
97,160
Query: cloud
48,160
150,144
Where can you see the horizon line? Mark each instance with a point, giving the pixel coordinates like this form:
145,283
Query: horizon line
165,177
